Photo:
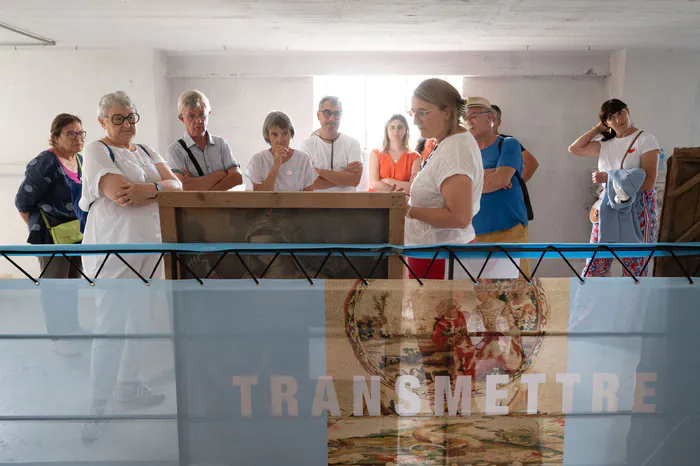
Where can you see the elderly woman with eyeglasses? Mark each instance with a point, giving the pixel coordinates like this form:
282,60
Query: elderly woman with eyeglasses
47,198
121,182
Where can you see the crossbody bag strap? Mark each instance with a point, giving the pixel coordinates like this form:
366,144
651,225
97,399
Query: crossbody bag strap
144,149
192,159
111,154
624,157
46,220
523,187
517,174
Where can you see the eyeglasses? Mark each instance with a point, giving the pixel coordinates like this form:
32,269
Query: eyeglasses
202,116
419,113
118,119
328,113
474,115
73,134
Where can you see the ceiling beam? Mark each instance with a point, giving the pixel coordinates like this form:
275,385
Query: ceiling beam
489,64
41,41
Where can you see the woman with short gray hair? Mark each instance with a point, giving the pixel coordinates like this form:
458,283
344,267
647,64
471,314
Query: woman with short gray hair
280,168
121,180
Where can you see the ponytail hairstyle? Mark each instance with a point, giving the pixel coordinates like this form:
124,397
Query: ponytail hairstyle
443,95
610,107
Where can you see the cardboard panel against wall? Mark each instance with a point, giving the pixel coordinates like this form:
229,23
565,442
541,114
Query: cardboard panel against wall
680,218
293,218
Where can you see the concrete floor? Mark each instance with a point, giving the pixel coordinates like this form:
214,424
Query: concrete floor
34,381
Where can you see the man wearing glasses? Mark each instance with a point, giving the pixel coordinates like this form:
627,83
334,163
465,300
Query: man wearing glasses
336,157
202,161
503,215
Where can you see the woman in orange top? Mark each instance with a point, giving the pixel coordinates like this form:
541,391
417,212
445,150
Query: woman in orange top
395,164
425,147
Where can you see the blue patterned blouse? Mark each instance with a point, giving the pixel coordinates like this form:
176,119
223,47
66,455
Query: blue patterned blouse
47,187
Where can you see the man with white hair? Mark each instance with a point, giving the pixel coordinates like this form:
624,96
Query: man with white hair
202,161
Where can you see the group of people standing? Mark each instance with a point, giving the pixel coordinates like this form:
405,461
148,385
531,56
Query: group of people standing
466,184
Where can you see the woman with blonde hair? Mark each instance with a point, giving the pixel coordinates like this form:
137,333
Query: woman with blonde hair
446,192
395,164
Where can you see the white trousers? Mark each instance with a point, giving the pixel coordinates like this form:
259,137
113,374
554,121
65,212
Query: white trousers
121,310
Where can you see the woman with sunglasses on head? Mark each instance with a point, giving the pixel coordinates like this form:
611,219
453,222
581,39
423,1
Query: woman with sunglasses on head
446,193
122,180
47,197
622,146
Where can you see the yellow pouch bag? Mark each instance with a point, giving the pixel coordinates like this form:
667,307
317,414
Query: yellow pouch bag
65,233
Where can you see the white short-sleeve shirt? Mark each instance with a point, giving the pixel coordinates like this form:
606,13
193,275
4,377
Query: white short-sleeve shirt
295,174
613,150
458,154
108,222
333,156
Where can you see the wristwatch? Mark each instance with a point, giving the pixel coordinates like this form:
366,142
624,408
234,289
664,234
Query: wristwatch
158,188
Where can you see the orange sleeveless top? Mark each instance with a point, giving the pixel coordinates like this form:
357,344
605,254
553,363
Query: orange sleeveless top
401,170
429,146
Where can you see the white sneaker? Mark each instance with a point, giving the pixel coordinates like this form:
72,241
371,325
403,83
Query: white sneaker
65,349
92,430
139,395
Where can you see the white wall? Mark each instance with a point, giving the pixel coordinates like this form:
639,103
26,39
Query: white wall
239,107
39,84
546,115
615,83
390,63
662,90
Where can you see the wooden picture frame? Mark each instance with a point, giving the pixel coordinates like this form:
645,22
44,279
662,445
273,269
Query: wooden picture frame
285,217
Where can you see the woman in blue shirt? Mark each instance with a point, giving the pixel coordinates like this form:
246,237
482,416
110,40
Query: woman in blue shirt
47,196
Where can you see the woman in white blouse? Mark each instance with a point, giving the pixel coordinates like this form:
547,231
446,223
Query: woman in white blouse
446,193
120,183
614,147
280,168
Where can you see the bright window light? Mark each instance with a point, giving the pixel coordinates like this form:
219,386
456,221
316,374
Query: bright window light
368,101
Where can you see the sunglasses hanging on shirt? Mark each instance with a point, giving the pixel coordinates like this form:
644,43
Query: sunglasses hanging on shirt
424,162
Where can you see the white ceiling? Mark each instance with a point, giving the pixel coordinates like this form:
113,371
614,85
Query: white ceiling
334,25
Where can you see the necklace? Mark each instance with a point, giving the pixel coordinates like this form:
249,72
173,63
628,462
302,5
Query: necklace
332,141
328,140
424,162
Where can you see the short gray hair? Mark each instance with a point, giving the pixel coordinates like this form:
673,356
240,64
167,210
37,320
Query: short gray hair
192,99
278,119
335,101
114,98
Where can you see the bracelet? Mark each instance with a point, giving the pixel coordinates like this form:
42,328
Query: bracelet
408,212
